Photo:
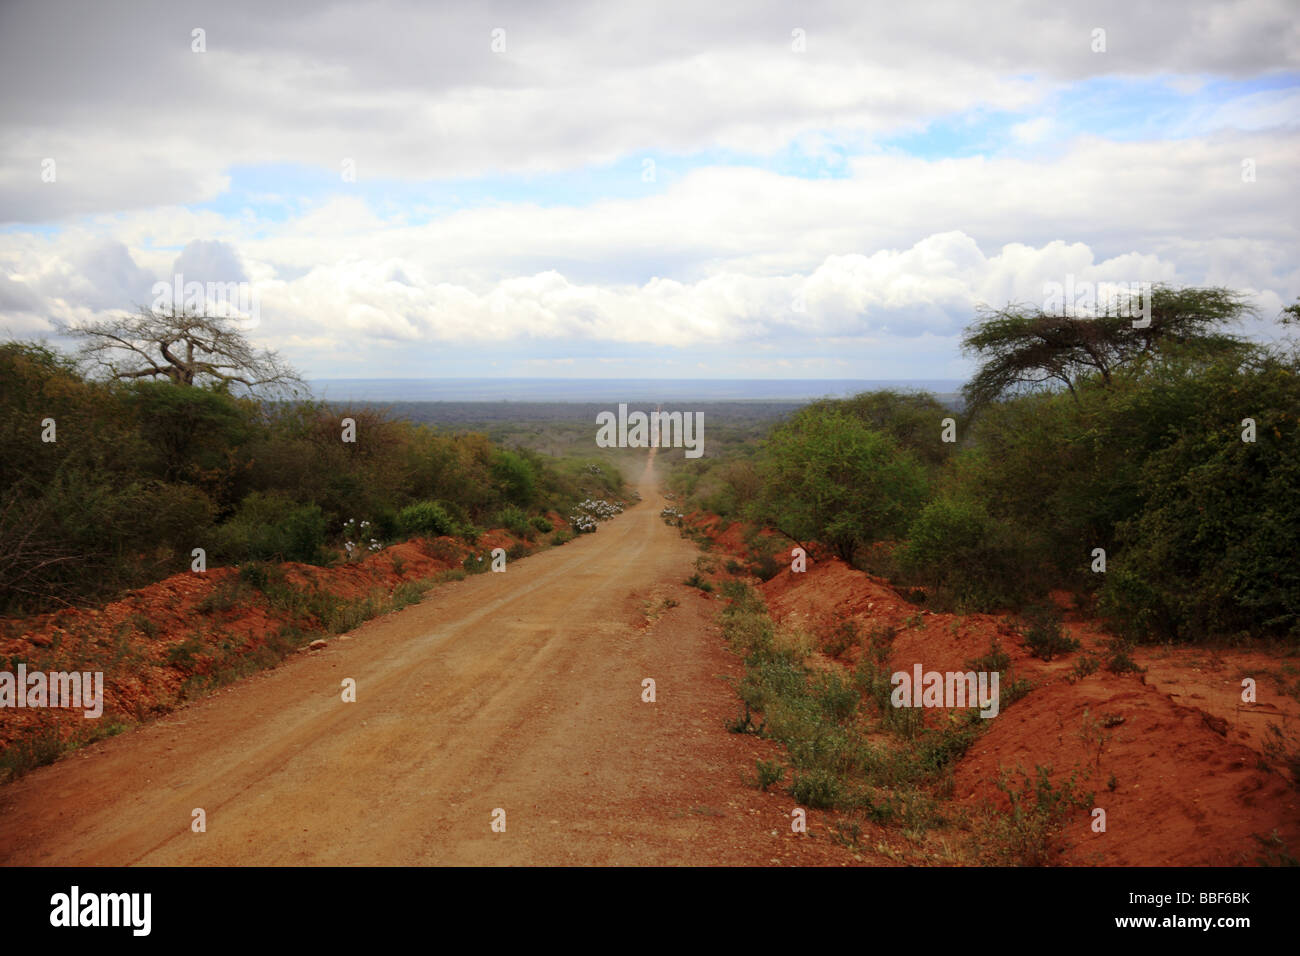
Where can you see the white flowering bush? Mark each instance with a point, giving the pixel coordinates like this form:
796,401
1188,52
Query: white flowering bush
354,529
591,511
582,524
671,515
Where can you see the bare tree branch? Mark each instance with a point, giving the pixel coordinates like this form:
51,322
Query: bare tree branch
212,353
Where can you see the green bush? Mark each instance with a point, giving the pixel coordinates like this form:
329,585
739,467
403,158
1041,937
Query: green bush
1044,637
516,477
1212,551
270,526
818,788
541,524
971,561
142,473
428,518
514,520
1026,835
829,477
769,773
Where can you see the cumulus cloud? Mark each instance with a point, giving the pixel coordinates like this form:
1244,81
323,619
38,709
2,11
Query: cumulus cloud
719,265
209,260
135,118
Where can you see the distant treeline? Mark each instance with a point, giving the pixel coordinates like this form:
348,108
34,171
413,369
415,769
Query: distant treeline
111,485
463,414
1154,472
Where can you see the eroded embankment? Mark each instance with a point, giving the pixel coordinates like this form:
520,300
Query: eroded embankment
1186,773
180,638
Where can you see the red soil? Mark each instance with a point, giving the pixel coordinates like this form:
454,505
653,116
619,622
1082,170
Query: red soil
1173,756
150,642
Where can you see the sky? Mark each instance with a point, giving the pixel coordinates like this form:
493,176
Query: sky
668,190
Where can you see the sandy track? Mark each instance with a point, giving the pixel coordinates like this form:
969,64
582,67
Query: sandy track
519,691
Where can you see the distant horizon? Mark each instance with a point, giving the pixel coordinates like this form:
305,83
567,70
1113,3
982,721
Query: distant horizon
538,388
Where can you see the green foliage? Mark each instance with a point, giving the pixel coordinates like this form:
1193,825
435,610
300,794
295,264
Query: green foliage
996,659
970,561
765,565
1026,834
270,526
190,433
912,419
426,518
1211,550
1087,664
1118,658
831,478
769,773
256,574
843,636
696,581
1041,626
542,524
818,788
514,520
142,473
1023,349
818,718
516,475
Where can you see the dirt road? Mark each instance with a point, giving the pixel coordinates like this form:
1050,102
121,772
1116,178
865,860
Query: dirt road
519,691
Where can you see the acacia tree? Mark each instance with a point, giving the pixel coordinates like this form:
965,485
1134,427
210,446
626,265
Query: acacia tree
1023,349
186,347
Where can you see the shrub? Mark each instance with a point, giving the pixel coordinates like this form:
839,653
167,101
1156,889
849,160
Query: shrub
516,477
817,788
1118,657
255,573
428,518
542,524
270,526
514,520
1026,835
829,477
1085,665
769,773
1211,552
1041,626
970,560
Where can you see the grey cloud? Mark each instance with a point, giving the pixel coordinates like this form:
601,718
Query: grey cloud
412,89
99,275
208,260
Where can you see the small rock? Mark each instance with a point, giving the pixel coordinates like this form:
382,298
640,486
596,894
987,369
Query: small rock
318,644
